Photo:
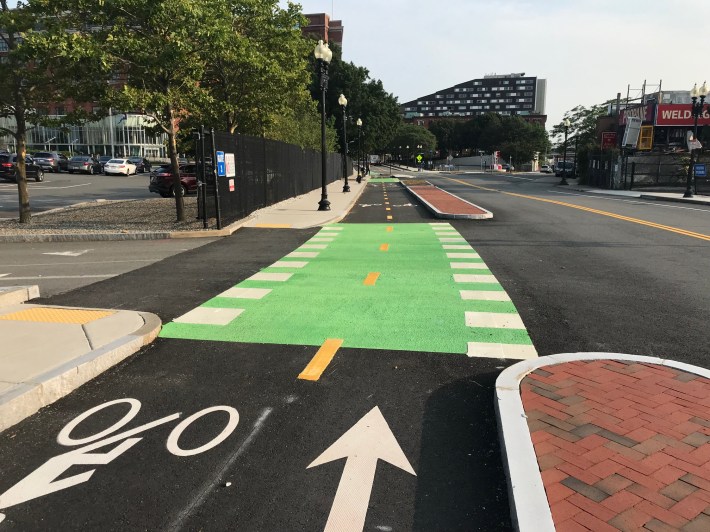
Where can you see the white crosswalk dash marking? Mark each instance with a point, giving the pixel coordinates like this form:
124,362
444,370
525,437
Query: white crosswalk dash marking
463,256
245,293
289,264
210,316
458,239
303,254
314,246
468,265
321,240
331,228
484,295
486,350
470,278
458,246
263,276
494,320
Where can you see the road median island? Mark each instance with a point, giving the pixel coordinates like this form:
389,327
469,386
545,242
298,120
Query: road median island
444,204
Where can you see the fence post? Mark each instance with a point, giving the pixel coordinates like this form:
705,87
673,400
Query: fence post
633,172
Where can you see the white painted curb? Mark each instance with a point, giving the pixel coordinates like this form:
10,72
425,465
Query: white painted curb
529,507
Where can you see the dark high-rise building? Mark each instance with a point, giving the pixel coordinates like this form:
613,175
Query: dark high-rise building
507,94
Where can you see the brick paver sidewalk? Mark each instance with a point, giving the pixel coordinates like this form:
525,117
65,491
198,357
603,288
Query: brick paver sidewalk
621,445
445,202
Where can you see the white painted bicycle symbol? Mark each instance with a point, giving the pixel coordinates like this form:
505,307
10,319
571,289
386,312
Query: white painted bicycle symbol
42,481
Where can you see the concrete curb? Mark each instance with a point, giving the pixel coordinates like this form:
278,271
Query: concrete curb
529,507
14,295
676,200
487,215
25,399
348,208
148,235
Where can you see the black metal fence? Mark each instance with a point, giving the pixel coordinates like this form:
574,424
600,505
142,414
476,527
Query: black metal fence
600,172
267,172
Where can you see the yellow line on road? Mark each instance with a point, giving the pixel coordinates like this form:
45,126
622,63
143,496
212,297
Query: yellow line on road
371,278
384,247
320,361
389,217
669,228
390,228
388,209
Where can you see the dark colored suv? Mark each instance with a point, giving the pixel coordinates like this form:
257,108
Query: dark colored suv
8,167
51,160
161,180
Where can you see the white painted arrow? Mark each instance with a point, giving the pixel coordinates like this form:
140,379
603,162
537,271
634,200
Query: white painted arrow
4,274
68,253
369,440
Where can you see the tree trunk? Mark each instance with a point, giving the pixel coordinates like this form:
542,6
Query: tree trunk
172,149
21,172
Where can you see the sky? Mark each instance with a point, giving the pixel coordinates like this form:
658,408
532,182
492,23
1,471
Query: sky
588,50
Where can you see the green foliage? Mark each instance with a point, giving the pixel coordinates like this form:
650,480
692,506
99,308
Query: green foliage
406,141
515,138
367,100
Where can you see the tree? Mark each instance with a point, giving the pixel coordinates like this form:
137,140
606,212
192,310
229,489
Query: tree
40,66
153,51
256,71
407,139
367,100
445,132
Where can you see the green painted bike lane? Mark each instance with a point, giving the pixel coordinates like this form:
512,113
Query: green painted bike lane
415,303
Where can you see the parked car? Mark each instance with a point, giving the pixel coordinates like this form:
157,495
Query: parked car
161,180
103,159
8,167
85,164
119,166
546,169
565,167
142,164
51,160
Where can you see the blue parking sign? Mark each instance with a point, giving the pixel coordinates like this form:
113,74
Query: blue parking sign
221,164
700,170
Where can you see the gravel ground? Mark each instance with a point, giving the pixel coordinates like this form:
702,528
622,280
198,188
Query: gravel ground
132,216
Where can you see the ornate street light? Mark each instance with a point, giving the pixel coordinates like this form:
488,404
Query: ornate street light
343,101
323,56
697,110
567,124
359,148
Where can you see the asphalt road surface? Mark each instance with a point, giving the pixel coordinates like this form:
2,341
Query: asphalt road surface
255,447
63,189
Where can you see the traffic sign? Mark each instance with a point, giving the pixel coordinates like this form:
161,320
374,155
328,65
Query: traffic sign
221,164
419,158
700,170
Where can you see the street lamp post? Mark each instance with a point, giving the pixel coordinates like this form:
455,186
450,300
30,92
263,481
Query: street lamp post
697,110
359,148
323,56
343,101
49,143
567,124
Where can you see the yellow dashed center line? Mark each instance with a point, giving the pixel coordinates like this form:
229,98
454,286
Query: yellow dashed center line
669,228
371,278
384,247
320,361
389,217
388,208
390,228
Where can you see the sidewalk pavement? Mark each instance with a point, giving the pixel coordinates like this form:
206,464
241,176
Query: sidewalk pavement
592,441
